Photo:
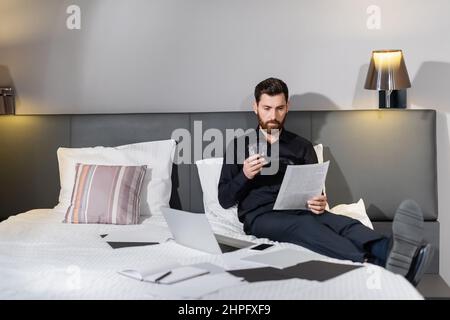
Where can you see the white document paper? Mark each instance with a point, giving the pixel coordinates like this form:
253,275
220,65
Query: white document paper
180,274
281,258
211,267
300,184
234,263
166,275
198,287
148,233
148,275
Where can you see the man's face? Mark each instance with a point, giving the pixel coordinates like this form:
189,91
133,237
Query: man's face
271,111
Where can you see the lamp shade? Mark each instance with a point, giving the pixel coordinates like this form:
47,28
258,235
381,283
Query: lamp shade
387,71
7,102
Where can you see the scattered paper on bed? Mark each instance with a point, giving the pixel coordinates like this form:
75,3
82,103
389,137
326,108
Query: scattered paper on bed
148,233
196,288
300,184
149,274
281,258
210,267
231,262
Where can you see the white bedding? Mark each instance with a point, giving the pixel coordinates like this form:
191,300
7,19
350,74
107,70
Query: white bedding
42,258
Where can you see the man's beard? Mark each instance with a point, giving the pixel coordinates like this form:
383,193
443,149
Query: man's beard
270,125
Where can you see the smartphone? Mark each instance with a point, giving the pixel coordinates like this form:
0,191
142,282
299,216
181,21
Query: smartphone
262,246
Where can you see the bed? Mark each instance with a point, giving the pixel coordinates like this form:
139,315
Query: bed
42,258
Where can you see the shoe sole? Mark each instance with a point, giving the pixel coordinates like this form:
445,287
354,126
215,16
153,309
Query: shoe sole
407,235
424,264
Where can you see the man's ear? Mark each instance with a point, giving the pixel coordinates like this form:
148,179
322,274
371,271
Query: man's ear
255,107
287,106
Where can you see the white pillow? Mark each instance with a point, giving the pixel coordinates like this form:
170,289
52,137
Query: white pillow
209,173
354,210
318,148
157,155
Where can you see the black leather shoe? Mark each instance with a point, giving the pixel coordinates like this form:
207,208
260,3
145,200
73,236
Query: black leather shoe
407,233
420,264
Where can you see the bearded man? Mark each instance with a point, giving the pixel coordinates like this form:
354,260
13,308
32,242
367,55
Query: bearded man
332,235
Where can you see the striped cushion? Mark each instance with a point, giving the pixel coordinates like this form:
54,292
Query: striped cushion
106,194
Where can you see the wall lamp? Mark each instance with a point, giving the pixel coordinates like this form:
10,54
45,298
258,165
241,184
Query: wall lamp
387,73
7,101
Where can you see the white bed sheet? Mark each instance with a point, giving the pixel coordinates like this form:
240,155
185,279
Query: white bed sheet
43,258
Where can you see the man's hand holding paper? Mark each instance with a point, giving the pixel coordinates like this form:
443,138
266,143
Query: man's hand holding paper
318,204
302,188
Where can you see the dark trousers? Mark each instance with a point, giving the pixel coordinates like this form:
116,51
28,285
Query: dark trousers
329,234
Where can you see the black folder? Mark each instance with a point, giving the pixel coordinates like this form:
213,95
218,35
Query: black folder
310,270
118,245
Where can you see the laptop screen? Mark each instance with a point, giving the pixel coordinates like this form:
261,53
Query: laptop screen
191,230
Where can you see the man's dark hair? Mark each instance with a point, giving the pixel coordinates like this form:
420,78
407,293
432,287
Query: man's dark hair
272,87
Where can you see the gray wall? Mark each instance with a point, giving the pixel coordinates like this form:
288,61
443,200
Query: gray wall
207,55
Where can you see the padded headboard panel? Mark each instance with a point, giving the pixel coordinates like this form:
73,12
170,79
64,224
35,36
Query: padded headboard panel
382,156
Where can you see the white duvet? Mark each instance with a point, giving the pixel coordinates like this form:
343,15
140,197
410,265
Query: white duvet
43,258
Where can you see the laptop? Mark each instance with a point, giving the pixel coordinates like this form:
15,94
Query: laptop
191,230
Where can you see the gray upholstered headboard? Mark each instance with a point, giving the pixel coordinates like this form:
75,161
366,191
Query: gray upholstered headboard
381,156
